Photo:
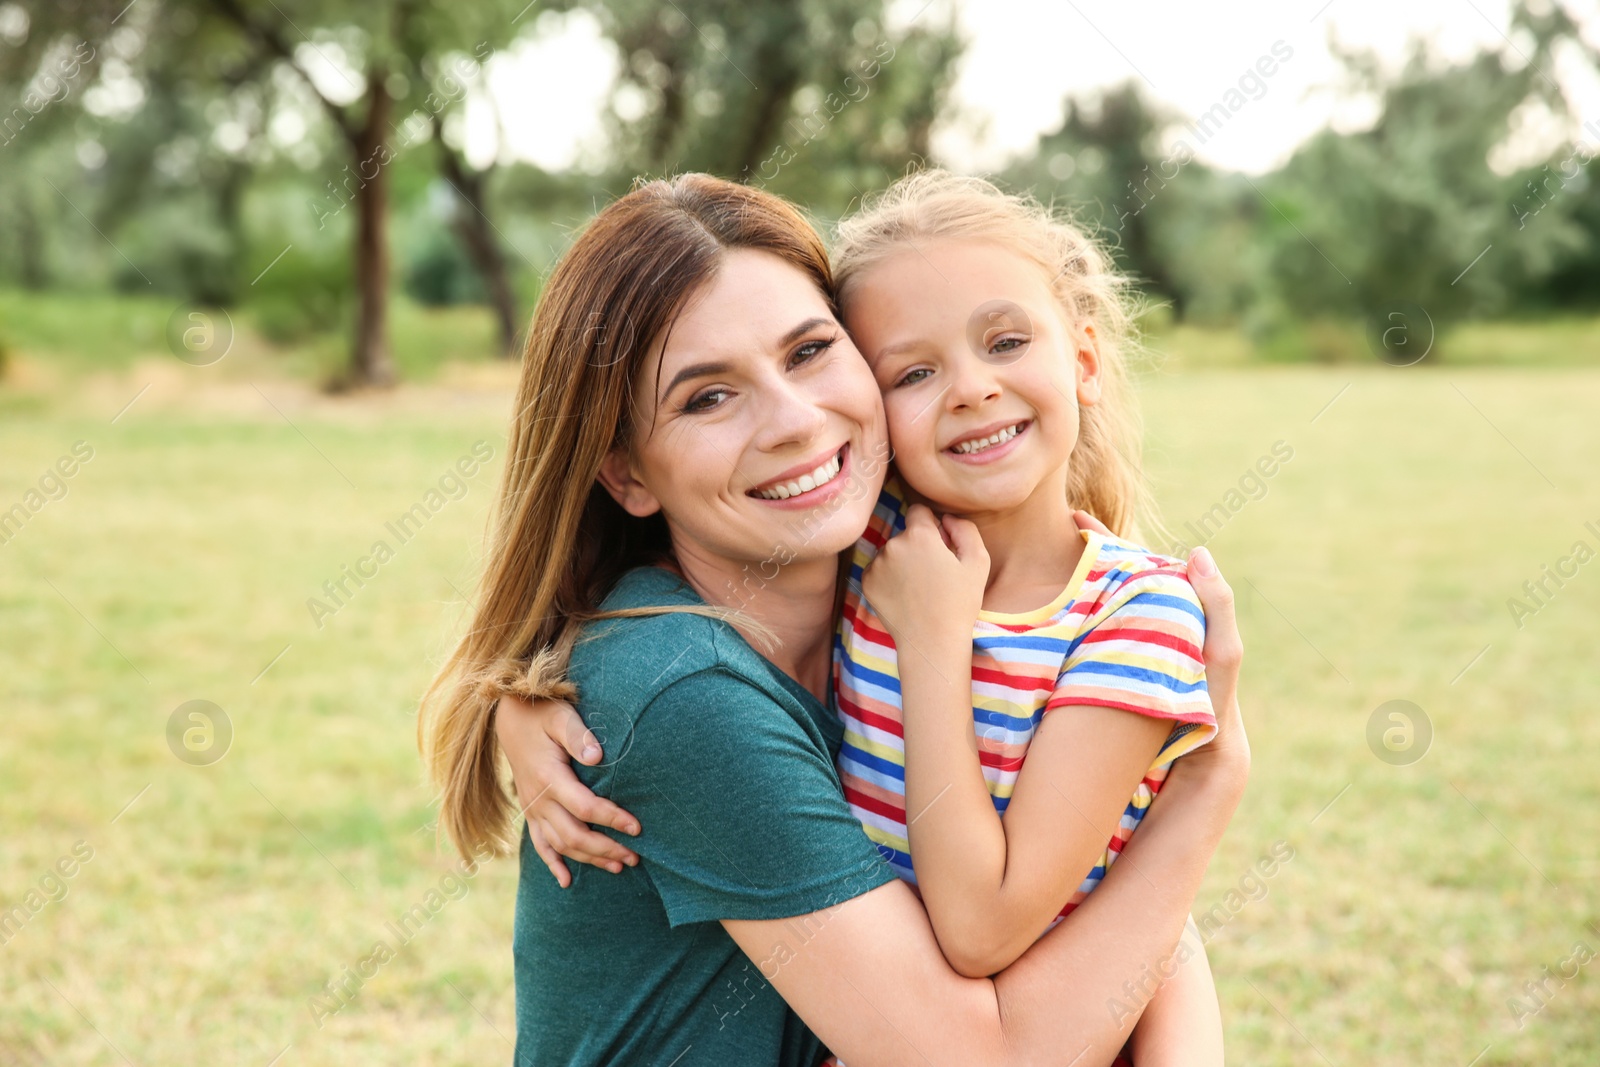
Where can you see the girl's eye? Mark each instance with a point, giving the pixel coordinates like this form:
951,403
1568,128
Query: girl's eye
913,376
1008,344
704,401
810,350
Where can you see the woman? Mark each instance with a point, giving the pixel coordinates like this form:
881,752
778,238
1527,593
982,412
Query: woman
686,357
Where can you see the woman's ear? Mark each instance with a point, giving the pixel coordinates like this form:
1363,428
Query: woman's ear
1089,366
620,479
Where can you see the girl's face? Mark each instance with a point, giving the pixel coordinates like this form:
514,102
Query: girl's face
981,374
760,433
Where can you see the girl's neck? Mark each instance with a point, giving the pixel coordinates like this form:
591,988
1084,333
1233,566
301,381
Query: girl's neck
795,605
1034,547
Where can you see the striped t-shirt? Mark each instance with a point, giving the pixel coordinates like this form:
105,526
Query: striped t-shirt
1126,632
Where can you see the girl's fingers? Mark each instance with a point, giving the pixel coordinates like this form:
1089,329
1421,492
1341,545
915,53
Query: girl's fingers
558,869
576,841
963,537
565,726
576,798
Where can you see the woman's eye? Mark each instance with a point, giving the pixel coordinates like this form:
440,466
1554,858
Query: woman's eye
704,401
810,350
913,376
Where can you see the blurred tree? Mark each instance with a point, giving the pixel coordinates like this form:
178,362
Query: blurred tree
817,99
1110,164
1404,210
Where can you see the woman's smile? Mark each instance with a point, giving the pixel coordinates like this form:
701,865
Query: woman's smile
808,484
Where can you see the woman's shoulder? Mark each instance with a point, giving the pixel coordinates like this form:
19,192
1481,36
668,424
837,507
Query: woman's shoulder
625,663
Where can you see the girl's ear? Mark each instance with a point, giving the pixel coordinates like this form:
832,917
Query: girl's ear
1089,367
622,482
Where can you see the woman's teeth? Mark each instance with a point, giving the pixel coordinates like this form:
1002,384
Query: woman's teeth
805,483
981,443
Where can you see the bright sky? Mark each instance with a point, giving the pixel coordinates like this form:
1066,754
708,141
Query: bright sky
1026,56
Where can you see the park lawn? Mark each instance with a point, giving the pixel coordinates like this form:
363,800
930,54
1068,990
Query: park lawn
1375,566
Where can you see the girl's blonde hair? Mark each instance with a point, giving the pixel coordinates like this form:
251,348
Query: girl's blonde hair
1106,477
558,541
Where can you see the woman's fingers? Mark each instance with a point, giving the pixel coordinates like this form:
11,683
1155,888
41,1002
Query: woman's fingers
1224,648
1223,652
1087,521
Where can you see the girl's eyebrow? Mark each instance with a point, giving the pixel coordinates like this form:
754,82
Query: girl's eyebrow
895,349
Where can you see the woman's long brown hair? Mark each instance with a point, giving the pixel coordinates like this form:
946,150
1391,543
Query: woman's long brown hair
557,541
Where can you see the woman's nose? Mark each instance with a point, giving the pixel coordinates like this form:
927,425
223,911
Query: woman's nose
790,416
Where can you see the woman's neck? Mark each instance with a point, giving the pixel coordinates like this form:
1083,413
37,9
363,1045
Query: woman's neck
794,601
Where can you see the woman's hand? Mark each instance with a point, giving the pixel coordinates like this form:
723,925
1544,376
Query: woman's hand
537,739
1223,652
927,581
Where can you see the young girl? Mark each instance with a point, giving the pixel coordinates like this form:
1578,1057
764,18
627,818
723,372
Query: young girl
1003,632
1001,661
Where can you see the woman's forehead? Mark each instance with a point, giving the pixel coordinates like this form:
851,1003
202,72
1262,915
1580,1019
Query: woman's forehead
747,308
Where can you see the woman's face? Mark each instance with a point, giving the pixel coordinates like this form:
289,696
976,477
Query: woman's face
760,429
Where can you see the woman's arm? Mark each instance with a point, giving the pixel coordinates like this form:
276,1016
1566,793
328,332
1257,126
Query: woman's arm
1182,1024
868,976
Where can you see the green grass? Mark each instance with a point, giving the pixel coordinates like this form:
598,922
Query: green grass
1376,566
75,333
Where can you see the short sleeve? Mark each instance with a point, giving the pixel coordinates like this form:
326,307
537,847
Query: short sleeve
742,813
1141,652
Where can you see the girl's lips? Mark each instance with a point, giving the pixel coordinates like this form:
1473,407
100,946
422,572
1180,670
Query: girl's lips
997,452
821,494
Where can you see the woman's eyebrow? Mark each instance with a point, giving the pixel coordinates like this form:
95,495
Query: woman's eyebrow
694,370
803,329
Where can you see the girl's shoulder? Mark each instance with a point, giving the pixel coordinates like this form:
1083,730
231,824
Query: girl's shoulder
1123,569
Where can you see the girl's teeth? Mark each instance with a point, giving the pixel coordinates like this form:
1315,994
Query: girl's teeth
1000,437
805,483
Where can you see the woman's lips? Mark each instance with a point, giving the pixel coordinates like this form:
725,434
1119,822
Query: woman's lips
818,493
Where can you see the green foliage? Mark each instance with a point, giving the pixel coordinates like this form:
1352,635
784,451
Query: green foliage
817,100
437,272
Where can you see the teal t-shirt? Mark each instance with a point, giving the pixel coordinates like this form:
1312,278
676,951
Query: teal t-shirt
729,766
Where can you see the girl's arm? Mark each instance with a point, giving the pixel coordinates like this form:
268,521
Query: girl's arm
868,977
991,886
1182,1024
537,739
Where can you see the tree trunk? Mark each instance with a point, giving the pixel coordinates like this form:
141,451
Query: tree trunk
471,224
370,361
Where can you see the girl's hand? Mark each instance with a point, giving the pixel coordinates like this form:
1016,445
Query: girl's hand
537,739
927,582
